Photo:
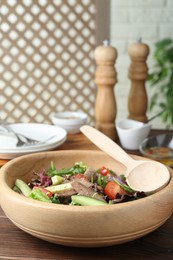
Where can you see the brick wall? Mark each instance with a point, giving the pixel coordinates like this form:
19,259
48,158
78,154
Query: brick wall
130,19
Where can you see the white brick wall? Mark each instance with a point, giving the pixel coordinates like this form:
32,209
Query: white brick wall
130,19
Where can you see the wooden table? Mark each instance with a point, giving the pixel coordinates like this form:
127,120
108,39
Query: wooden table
16,244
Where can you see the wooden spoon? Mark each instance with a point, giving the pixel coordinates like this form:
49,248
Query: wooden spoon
147,176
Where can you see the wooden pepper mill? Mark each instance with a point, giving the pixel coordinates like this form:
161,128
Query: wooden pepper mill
138,73
105,79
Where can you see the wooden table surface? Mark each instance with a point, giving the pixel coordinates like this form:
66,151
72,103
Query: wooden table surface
16,244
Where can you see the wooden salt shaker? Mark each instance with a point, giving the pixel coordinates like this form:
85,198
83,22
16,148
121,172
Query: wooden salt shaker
138,73
105,79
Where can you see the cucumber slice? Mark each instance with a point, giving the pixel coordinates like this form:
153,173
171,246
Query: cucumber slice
86,201
60,187
23,187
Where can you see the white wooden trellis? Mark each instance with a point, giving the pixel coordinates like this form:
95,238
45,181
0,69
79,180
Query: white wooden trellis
47,57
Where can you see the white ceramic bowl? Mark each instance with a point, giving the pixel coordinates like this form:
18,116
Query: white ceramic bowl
131,133
80,226
70,121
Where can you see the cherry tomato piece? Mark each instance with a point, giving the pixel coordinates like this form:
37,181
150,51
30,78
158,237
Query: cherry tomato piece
112,189
44,190
104,171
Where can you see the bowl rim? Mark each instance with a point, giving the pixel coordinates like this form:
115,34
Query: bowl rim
138,126
61,119
30,202
150,138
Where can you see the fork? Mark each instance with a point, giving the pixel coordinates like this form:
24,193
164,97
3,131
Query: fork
28,141
35,142
20,137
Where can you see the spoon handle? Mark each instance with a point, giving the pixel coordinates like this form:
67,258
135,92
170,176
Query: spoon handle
106,145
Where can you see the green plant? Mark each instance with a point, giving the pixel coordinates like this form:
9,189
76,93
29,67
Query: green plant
161,79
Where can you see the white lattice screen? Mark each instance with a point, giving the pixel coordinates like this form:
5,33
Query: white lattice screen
46,58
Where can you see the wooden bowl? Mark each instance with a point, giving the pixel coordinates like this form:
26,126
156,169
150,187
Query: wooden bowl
80,226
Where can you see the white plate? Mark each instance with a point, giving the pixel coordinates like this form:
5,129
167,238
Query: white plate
50,136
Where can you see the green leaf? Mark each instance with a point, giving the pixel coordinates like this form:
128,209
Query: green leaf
37,194
124,186
78,167
161,79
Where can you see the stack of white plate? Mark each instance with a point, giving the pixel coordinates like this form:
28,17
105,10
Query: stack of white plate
49,137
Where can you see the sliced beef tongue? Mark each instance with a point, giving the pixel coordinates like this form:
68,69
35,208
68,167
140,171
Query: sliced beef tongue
65,196
90,173
83,187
